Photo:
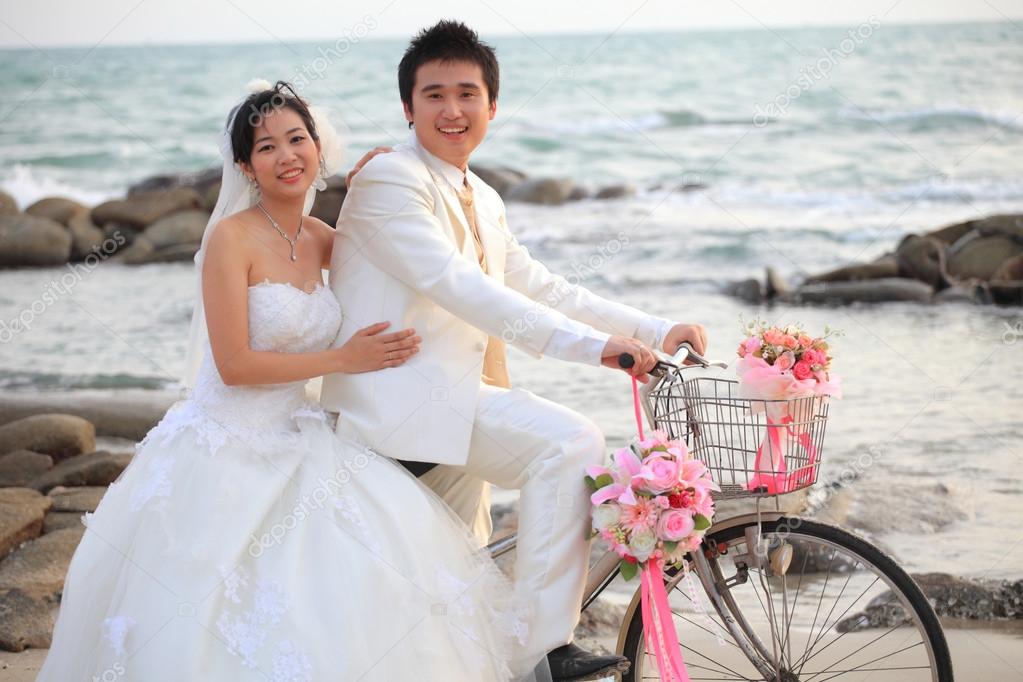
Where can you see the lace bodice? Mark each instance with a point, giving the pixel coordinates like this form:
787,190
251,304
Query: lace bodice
284,319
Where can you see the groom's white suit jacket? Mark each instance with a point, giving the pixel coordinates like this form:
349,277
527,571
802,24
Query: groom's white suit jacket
403,253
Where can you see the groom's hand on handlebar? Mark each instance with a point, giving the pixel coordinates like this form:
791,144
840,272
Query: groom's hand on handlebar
693,334
644,359
363,161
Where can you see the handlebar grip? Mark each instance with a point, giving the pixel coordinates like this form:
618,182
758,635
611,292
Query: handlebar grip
626,361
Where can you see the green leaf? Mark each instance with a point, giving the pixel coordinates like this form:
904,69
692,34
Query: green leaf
702,522
628,570
590,483
603,480
670,546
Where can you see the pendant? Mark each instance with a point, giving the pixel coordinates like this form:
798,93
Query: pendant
293,256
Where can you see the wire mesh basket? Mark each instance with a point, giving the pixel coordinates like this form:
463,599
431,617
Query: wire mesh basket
753,448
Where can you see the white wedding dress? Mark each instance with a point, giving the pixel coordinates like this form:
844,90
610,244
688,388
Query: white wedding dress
245,541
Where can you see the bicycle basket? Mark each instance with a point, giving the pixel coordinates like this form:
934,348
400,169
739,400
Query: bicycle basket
753,448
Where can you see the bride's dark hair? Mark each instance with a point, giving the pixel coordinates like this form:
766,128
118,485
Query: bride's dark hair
256,107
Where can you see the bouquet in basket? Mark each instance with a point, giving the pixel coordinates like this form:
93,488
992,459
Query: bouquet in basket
652,506
792,370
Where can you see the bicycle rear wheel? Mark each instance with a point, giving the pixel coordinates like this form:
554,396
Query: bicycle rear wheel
842,609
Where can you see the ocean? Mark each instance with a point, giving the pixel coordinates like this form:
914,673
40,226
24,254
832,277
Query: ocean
802,149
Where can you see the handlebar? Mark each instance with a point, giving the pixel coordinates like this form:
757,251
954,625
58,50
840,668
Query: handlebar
684,354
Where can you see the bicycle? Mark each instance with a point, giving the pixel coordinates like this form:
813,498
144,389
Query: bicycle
885,629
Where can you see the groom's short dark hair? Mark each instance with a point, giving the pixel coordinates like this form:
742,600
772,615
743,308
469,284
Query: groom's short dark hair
447,41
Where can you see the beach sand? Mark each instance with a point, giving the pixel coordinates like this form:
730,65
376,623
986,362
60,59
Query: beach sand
986,652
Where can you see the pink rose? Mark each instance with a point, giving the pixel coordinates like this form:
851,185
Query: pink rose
802,370
789,342
805,341
665,472
773,336
675,525
785,360
752,344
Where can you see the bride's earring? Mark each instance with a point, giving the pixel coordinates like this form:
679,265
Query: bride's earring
321,178
253,186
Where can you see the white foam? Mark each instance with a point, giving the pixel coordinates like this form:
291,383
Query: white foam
28,185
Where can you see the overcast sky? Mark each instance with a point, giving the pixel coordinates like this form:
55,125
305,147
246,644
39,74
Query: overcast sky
47,23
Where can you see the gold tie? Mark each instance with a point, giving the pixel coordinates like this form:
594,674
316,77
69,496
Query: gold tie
495,358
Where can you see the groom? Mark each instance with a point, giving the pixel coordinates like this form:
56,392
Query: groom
423,242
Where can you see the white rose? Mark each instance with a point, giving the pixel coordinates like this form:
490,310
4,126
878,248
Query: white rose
606,515
642,545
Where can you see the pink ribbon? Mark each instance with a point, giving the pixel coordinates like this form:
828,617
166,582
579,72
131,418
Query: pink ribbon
778,480
658,628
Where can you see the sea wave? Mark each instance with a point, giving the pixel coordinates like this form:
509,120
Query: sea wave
43,381
929,119
27,185
657,120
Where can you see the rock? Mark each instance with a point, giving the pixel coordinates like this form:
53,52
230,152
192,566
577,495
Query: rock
600,620
885,266
128,414
200,181
976,256
58,435
501,178
57,209
963,292
579,193
690,187
20,467
548,191
1006,293
923,259
774,284
138,252
950,233
61,520
871,291
1009,225
21,516
145,208
86,238
24,621
615,192
1011,270
327,205
951,597
179,253
185,227
93,469
8,206
38,567
748,290
30,241
83,499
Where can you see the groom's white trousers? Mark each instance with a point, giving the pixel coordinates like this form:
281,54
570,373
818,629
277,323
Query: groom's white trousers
522,441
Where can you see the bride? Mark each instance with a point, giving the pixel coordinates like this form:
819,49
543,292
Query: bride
245,541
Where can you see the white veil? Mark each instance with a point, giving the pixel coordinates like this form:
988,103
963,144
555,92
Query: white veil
234,197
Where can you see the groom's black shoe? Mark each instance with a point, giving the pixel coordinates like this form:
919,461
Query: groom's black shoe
570,662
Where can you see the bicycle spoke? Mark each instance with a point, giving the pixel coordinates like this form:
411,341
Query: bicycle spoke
837,621
861,668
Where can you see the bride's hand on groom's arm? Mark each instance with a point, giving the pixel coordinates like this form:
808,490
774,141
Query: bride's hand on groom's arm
370,350
363,161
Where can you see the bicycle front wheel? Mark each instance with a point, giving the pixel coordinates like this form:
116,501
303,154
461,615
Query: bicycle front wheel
814,604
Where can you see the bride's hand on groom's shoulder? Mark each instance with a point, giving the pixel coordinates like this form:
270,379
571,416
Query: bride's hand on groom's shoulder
370,350
363,161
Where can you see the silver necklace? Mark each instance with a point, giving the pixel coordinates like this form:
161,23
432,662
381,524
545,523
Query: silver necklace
292,242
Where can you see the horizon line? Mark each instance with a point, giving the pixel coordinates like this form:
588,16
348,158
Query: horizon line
511,34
